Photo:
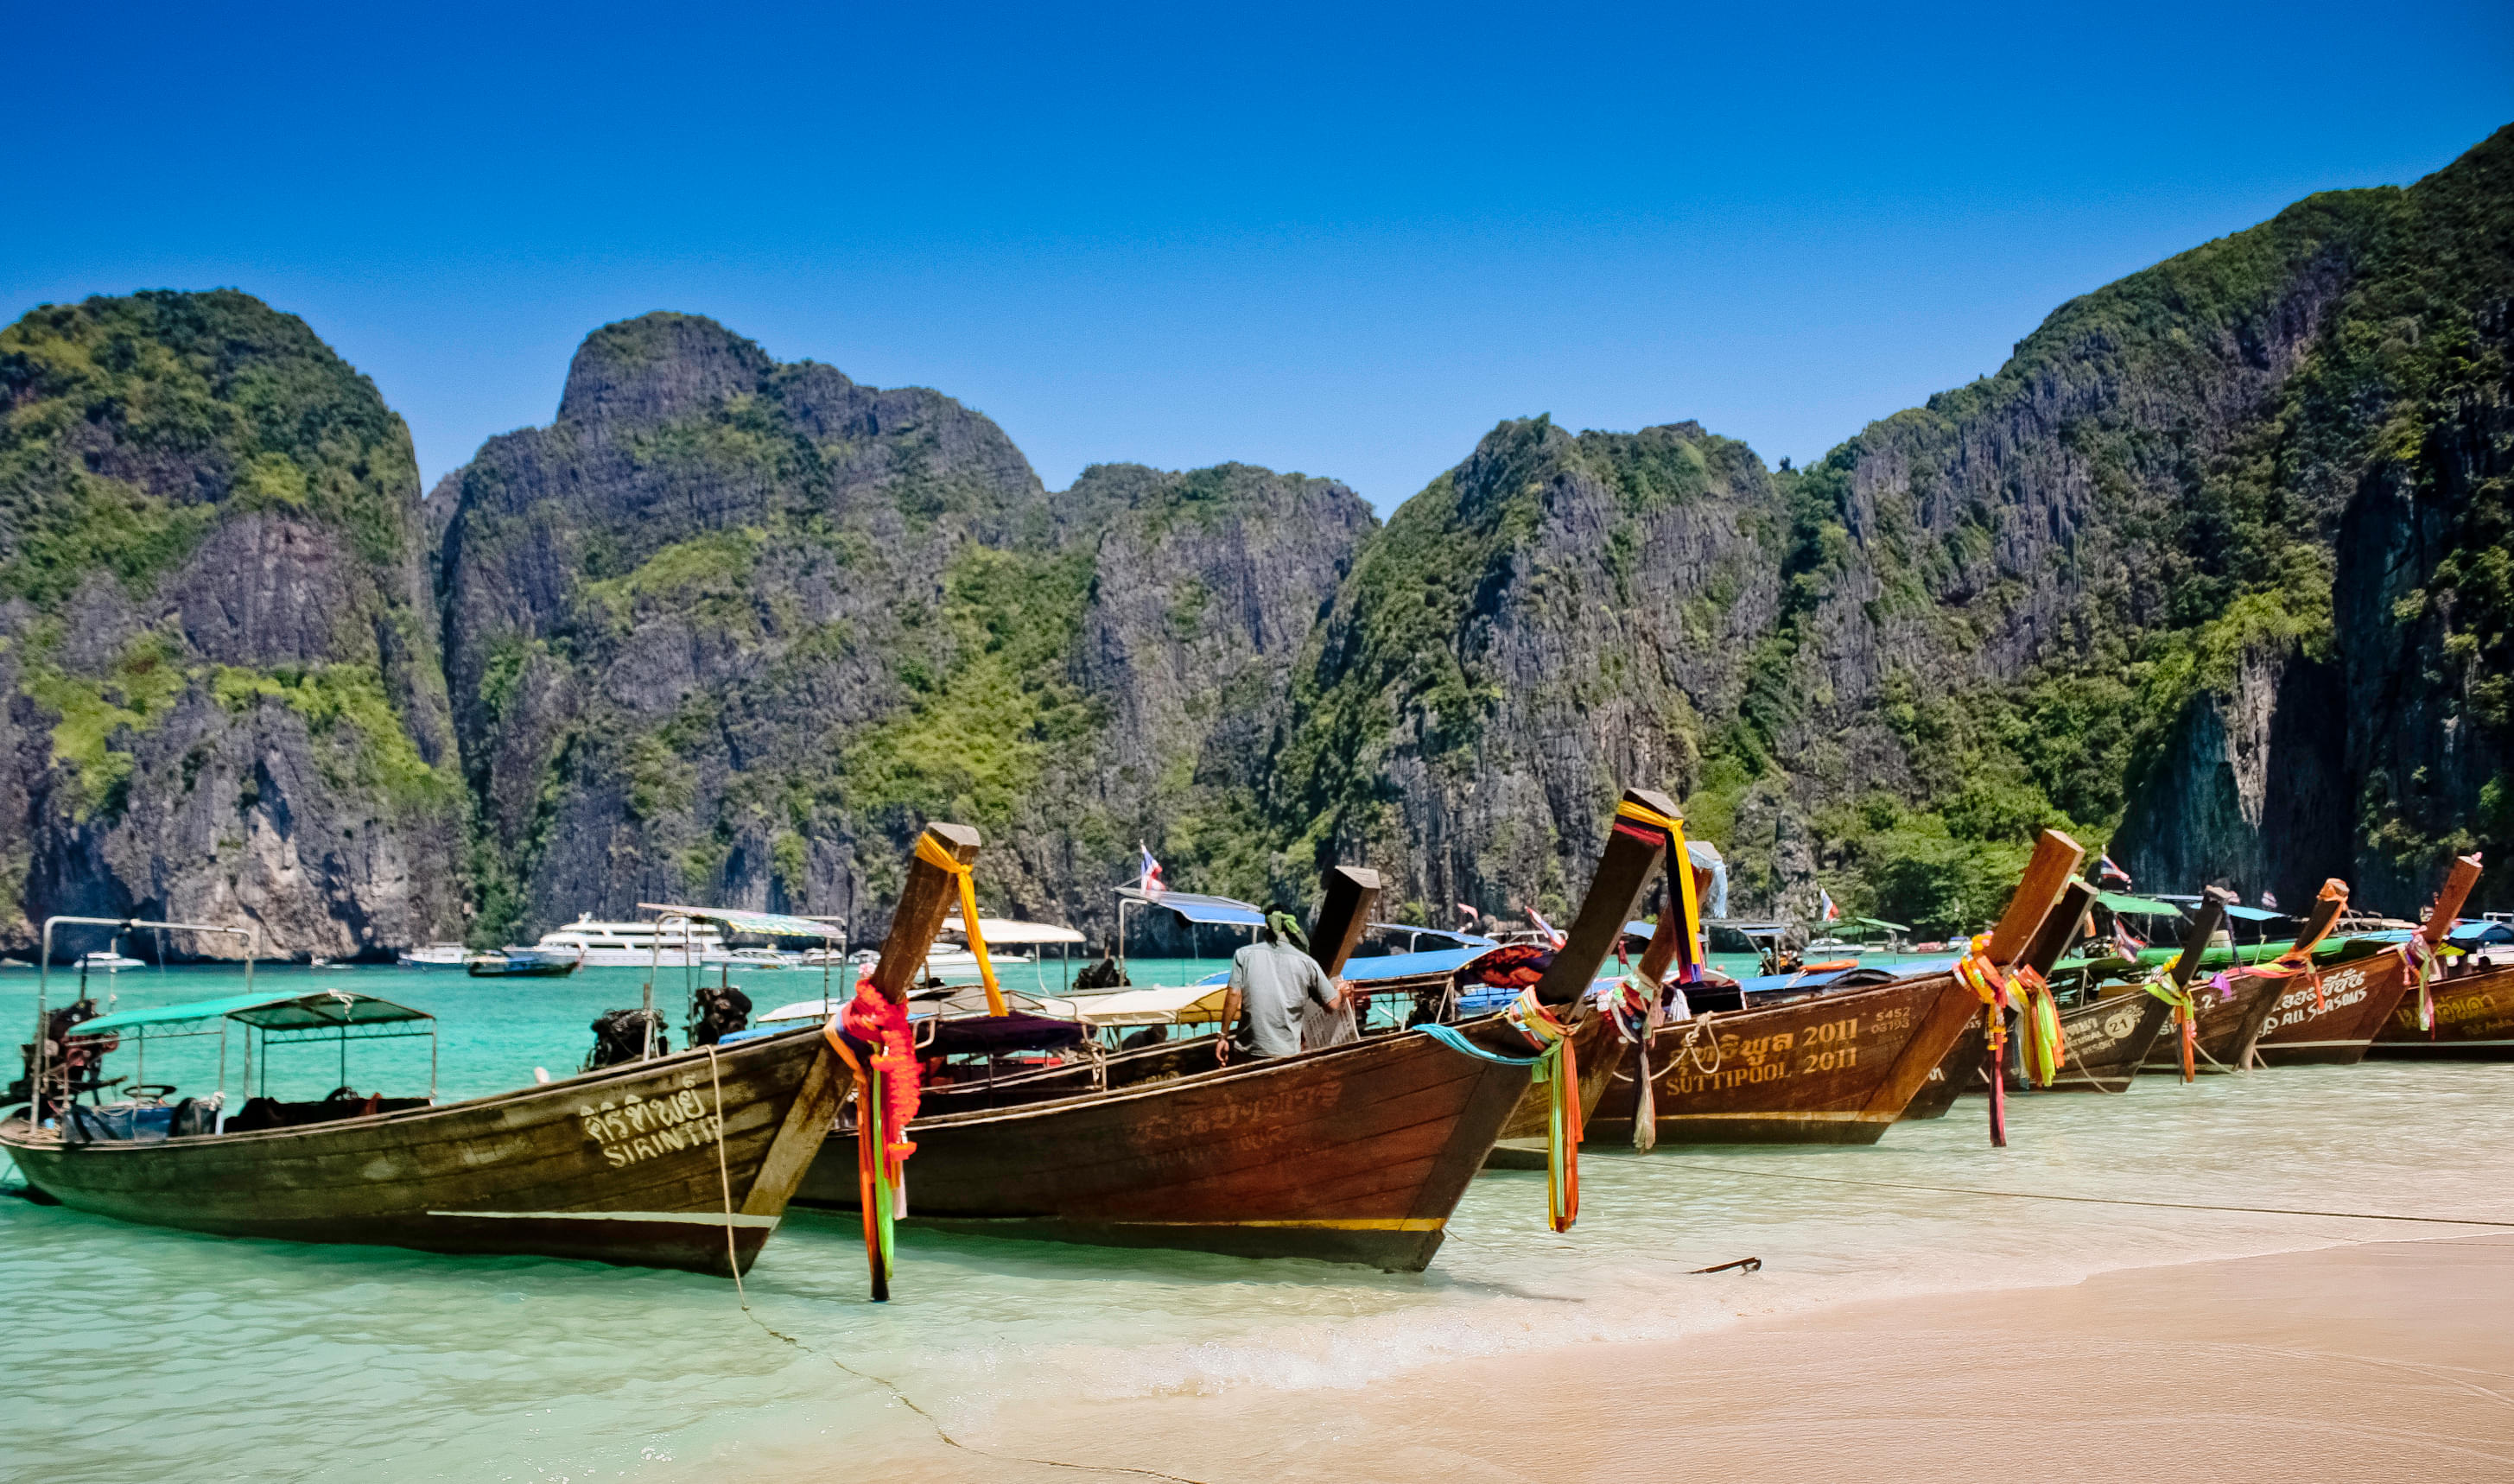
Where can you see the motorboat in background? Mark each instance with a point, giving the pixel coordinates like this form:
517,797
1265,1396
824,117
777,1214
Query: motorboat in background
632,945
435,955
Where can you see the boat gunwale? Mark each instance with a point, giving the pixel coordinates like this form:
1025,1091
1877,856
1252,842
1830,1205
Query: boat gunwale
1267,1065
42,1139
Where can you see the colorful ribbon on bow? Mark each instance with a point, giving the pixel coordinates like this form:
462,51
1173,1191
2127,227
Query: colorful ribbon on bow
932,852
2186,1013
886,1094
2419,956
1560,1072
2046,1050
1642,821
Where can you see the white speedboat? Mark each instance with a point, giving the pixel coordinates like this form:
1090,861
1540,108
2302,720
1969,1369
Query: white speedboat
762,958
110,961
635,945
437,955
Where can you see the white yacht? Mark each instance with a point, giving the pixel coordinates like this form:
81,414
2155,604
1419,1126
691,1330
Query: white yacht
636,944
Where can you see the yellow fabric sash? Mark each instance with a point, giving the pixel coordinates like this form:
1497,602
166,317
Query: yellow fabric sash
934,855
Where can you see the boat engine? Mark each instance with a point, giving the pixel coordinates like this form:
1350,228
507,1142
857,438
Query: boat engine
69,1066
619,1037
717,1011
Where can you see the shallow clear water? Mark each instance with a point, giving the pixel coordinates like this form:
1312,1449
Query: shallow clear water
140,1352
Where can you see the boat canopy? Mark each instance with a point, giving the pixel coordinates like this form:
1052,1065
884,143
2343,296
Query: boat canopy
1880,922
323,1010
1005,929
2482,931
1183,1005
1196,908
2252,914
1448,935
2146,906
766,924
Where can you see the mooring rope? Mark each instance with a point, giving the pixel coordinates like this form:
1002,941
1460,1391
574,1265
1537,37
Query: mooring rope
944,1433
2108,1200
724,1178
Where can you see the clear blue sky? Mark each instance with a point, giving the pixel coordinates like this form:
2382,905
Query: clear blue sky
1343,239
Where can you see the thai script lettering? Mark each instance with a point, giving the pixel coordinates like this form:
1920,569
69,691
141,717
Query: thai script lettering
638,1128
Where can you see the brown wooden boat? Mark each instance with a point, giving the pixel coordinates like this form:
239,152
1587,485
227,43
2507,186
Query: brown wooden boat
1834,1067
1353,1153
684,1161
2333,1022
2474,1022
2109,1030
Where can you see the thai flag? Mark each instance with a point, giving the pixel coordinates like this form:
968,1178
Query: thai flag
2125,942
1547,927
1824,899
2269,903
2105,870
1152,884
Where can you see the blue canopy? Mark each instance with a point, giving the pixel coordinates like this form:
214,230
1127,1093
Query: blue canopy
1201,909
2482,931
1448,934
2253,914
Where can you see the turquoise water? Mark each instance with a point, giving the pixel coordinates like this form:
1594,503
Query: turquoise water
139,1353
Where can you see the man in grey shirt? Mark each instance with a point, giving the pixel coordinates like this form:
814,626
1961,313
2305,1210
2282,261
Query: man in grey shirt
1273,980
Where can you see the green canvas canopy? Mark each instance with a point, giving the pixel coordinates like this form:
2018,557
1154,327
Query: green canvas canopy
324,1009
1879,922
2147,906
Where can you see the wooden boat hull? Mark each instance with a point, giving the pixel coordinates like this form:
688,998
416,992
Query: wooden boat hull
2334,1029
1831,1069
2474,1022
2106,1043
614,1166
1355,1153
1599,1053
2227,1031
1957,1073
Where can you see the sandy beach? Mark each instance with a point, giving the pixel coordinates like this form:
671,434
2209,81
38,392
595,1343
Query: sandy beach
2380,1360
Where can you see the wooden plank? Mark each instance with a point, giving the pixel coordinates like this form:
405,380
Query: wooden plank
2059,926
2056,860
2195,942
2448,904
1623,872
1343,916
930,895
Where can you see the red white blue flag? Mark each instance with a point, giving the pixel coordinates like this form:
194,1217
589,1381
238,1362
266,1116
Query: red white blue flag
1824,900
2105,870
1152,884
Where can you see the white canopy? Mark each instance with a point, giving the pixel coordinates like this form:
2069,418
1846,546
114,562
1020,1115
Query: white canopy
1005,929
1184,1005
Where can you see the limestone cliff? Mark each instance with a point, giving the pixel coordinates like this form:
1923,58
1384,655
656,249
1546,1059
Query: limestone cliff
732,630
219,697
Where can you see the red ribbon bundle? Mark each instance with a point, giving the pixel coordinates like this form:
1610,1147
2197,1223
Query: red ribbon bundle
871,1019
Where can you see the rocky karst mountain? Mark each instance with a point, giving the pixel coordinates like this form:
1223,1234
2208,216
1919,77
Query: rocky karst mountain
731,631
2216,570
219,695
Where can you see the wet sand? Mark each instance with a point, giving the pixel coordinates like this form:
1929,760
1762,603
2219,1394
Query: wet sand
2376,1361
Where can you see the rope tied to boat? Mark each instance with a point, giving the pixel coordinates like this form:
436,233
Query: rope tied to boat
1557,1070
1632,1010
931,852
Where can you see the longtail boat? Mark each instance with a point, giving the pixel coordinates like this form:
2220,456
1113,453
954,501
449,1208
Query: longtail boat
1354,1153
2232,1007
2109,1029
2329,1015
683,1161
1834,1067
2473,1022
